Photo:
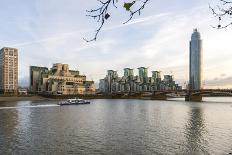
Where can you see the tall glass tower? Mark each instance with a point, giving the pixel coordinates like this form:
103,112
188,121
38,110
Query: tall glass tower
195,63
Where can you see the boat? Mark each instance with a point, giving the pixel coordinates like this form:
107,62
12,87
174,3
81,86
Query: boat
74,101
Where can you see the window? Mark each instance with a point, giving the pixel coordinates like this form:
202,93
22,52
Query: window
11,53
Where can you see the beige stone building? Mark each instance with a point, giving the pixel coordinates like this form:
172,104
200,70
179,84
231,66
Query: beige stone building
59,80
8,70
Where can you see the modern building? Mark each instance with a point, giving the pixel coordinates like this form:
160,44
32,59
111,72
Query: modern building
8,70
59,80
143,74
128,72
129,83
195,63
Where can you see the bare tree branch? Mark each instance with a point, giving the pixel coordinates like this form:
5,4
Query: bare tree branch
222,12
101,14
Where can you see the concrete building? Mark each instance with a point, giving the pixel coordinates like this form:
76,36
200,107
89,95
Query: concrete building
195,63
8,70
59,80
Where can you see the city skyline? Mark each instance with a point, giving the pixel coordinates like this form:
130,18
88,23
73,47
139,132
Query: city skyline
49,32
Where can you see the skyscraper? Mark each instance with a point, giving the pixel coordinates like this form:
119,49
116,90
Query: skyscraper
8,70
195,63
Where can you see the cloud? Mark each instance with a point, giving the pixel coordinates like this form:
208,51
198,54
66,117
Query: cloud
220,83
144,20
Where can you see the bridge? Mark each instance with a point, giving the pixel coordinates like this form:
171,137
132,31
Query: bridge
196,95
189,95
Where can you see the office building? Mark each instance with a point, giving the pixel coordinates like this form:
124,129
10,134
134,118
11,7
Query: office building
59,80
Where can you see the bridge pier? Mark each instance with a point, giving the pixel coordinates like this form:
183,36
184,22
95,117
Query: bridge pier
194,98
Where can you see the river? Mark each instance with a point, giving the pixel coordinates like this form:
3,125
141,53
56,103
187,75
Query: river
117,127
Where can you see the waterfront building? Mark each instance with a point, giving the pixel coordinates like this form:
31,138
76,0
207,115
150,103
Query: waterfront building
128,72
112,76
156,77
102,85
36,78
143,74
195,63
8,70
59,80
156,74
129,83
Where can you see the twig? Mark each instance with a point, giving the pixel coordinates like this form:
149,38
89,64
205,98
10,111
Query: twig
222,11
101,14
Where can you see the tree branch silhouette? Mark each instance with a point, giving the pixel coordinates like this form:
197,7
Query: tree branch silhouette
101,14
222,12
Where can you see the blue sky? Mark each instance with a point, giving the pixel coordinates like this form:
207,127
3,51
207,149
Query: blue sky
51,31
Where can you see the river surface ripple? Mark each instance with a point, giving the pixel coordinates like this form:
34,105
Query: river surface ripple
117,127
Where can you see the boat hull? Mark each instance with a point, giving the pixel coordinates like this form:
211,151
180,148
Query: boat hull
62,104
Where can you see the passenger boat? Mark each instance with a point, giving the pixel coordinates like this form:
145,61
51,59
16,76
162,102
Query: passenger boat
73,102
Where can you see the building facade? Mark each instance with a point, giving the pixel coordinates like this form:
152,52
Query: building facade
129,83
36,78
195,64
59,80
8,70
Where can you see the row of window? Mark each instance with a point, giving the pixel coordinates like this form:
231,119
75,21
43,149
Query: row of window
11,52
11,82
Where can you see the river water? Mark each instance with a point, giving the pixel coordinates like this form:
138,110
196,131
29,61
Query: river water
117,127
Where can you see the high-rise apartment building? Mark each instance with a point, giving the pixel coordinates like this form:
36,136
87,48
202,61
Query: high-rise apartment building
128,72
195,64
8,70
143,74
130,83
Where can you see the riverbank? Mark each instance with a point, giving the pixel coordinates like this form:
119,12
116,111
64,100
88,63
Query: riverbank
88,97
23,98
62,97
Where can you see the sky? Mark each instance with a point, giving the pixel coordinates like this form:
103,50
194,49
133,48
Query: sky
52,31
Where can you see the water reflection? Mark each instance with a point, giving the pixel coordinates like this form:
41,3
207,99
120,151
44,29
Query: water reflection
196,131
8,124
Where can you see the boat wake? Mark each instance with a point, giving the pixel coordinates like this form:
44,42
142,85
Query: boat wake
30,106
